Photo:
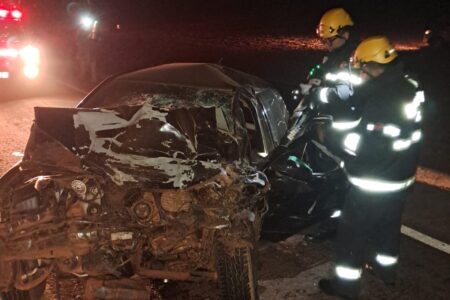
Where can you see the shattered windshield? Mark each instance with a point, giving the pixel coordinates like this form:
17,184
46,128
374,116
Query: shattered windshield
131,92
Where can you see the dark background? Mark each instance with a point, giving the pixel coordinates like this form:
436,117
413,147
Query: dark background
272,39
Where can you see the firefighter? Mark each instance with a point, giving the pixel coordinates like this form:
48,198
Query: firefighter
381,161
336,31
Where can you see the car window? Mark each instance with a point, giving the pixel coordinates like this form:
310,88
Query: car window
274,112
260,142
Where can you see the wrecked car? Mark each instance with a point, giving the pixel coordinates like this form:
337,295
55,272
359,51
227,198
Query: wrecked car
154,175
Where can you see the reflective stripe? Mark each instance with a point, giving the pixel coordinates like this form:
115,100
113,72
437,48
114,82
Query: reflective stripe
386,260
416,136
400,145
345,125
413,82
336,214
323,95
419,98
403,144
351,143
391,130
348,273
344,76
373,185
418,117
412,108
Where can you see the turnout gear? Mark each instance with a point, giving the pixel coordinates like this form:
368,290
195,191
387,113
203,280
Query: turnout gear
332,22
331,76
381,161
376,49
383,148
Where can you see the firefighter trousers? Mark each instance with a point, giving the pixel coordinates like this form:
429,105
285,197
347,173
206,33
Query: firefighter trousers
369,231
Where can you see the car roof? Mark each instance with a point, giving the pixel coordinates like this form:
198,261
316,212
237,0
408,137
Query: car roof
201,75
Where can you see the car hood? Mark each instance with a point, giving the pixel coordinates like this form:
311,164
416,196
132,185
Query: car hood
137,144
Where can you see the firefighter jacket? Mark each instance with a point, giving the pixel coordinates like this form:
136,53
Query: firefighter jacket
382,149
337,60
337,81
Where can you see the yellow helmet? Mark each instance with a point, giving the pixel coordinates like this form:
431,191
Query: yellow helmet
332,21
374,49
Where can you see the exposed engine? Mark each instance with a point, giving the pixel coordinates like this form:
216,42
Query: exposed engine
76,224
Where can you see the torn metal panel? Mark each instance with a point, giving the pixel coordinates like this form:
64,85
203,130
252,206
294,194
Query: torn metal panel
141,143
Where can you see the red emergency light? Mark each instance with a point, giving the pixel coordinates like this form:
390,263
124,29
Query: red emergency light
16,14
11,14
3,13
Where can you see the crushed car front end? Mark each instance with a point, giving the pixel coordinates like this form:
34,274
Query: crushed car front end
157,188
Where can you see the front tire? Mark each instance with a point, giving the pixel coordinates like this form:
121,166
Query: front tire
237,274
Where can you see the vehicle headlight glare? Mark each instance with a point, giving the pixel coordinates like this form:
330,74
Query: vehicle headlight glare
30,55
87,22
31,72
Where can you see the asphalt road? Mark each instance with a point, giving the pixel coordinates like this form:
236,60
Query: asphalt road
288,269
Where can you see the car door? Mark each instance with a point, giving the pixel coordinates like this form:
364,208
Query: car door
265,121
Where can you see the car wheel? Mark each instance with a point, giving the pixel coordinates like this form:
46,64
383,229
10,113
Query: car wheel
34,293
237,273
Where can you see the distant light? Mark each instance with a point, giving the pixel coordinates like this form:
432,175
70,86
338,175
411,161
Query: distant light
16,14
166,280
30,55
8,52
3,13
118,26
31,72
87,22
